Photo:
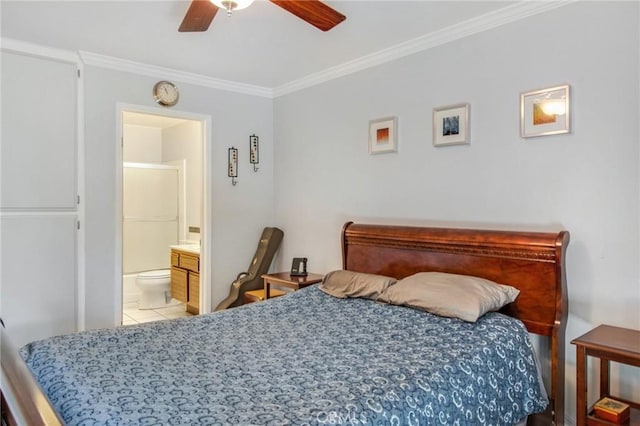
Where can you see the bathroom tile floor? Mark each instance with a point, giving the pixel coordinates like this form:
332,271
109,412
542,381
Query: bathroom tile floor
132,315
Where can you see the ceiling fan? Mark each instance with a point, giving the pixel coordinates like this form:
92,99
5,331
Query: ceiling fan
201,12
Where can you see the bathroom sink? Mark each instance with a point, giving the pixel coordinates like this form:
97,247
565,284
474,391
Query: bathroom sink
194,248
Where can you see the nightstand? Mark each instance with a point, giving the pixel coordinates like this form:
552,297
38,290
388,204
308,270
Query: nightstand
609,344
284,279
253,296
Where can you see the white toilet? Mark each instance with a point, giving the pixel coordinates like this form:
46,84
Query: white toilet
155,289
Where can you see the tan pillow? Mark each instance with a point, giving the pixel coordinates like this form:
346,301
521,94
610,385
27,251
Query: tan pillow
345,284
450,295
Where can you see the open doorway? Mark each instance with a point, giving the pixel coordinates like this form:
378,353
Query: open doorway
163,213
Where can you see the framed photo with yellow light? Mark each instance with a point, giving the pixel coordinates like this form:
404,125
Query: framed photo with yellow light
545,112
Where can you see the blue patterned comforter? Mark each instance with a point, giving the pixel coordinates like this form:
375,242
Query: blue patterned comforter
306,358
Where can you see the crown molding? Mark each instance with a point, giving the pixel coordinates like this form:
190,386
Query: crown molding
103,61
139,68
18,46
460,30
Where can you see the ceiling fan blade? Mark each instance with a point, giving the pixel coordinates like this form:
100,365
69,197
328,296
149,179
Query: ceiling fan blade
314,12
199,16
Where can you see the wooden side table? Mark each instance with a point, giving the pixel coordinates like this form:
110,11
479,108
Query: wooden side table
609,344
284,279
253,296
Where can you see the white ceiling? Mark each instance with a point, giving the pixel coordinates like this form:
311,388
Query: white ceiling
262,45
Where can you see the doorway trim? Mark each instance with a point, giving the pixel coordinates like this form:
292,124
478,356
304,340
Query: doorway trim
205,226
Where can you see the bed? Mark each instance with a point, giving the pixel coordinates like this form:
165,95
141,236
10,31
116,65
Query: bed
311,358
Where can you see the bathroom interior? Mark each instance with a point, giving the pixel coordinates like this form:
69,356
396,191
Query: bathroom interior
162,208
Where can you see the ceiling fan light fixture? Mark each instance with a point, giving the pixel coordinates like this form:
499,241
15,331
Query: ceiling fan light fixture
231,5
201,12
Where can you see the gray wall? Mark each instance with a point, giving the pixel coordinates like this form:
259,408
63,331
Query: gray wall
315,171
239,213
585,182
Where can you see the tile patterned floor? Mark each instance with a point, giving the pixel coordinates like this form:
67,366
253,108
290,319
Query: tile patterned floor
132,315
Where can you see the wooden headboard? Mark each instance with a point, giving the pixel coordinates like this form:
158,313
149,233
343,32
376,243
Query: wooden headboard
533,262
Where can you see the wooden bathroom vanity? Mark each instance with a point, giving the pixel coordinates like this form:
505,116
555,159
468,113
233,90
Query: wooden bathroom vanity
185,277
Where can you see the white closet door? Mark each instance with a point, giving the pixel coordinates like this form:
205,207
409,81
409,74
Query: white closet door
39,216
38,276
38,154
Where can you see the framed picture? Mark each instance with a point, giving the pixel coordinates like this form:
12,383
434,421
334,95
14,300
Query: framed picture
451,125
544,112
383,134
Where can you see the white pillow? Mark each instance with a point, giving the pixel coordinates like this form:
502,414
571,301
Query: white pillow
450,295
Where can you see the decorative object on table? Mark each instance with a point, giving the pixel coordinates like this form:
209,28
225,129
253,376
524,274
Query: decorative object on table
612,410
233,165
299,267
545,112
451,125
166,93
383,135
254,151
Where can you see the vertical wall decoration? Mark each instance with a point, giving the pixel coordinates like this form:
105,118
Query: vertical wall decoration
382,135
233,165
254,151
451,125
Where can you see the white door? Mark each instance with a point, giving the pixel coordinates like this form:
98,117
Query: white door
38,199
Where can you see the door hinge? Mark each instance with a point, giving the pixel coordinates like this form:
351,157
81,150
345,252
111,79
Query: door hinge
78,224
78,201
78,73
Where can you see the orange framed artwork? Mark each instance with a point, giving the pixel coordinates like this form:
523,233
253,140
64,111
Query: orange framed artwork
383,134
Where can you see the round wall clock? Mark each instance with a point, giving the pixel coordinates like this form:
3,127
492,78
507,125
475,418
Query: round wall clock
165,93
